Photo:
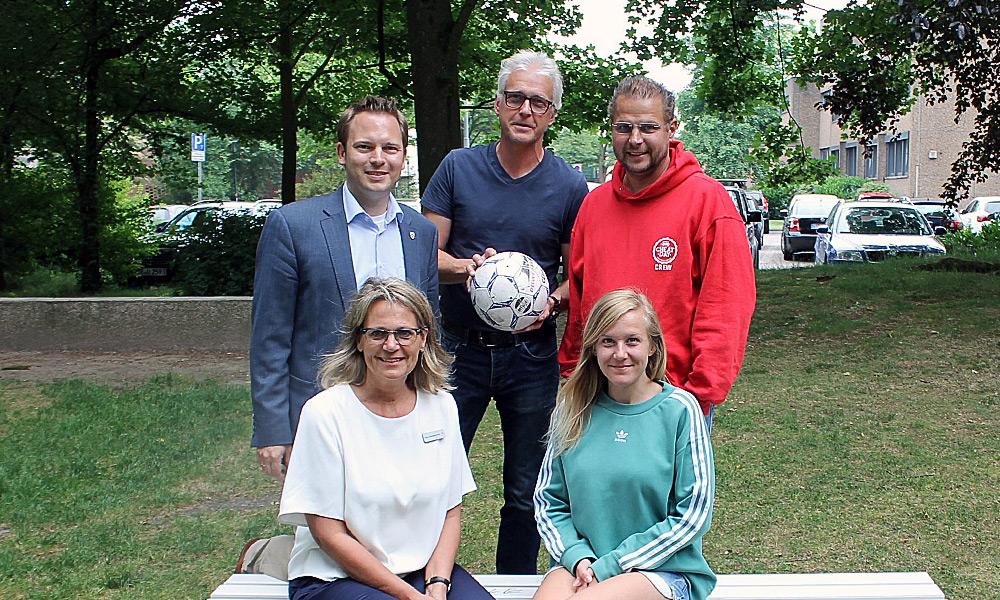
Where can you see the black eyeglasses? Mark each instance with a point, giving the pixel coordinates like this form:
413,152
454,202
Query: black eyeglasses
403,335
539,105
625,128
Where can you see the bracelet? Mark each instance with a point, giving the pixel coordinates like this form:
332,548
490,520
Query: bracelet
438,579
556,304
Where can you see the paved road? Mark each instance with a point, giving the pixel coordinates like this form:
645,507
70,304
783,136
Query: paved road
770,254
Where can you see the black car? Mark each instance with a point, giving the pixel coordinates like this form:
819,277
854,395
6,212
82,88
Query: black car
761,201
805,212
938,213
751,218
160,267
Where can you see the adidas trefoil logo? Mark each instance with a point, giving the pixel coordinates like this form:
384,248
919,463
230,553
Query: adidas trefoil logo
621,436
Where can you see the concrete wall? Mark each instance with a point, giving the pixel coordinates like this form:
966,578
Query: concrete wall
125,324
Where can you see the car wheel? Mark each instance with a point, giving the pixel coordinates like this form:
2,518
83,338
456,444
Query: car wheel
787,254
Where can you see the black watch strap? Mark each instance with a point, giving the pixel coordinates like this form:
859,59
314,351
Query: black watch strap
556,305
438,579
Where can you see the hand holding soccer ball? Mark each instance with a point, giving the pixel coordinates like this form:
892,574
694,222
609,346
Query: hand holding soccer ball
509,290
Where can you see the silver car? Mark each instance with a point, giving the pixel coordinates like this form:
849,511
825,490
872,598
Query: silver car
874,231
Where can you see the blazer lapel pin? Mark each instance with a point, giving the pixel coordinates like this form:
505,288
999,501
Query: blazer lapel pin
413,235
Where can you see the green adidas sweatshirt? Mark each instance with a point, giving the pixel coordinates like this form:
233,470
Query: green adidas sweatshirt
635,493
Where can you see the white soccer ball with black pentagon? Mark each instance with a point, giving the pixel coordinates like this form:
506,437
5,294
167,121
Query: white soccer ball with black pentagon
509,291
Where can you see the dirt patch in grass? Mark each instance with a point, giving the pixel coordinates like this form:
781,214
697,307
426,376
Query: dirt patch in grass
215,505
119,367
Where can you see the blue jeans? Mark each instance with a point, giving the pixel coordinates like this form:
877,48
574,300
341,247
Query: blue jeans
522,380
669,584
463,587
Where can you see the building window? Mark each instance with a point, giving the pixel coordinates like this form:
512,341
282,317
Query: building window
897,152
824,153
835,153
871,161
851,160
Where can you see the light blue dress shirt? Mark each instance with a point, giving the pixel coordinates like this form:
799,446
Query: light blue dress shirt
376,248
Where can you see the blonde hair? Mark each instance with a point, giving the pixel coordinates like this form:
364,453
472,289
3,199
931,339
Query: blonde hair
577,396
347,364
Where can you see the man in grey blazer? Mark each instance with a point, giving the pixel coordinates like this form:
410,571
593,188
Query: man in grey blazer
312,257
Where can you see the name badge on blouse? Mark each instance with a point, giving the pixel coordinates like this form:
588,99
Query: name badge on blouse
433,436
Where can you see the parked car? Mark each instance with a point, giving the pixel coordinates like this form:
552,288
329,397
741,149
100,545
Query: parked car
751,219
873,231
761,200
758,227
880,197
804,212
977,212
163,213
738,183
160,266
938,213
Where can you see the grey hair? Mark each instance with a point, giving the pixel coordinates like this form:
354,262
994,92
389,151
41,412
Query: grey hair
643,88
526,59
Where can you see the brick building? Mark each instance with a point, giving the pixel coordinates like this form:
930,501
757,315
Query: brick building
914,160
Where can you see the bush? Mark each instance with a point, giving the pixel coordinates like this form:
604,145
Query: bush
985,244
216,256
848,186
37,220
125,231
40,229
327,178
778,198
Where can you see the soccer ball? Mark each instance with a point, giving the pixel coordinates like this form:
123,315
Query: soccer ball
509,291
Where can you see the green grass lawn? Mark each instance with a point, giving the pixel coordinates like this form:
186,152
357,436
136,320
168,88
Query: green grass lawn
863,435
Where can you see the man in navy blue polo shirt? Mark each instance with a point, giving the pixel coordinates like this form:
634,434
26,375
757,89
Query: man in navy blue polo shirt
508,195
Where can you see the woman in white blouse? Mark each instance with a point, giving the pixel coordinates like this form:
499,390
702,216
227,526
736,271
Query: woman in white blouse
377,475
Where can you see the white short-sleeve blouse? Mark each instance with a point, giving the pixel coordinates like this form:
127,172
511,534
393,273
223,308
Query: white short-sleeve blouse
390,480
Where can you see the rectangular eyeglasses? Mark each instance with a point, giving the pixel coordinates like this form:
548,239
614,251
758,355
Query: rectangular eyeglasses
539,105
403,335
625,128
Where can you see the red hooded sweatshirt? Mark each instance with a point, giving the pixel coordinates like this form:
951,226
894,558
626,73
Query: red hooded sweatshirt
682,243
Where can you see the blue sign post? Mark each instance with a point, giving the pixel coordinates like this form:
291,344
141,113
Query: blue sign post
198,155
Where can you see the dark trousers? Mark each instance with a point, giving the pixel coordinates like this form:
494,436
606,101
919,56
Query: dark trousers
522,379
463,587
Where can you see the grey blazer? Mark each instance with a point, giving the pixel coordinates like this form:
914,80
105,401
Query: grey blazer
303,284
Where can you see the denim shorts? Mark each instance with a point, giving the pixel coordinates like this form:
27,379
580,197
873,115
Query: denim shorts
670,585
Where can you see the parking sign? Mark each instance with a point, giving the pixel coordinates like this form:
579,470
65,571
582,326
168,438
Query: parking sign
198,147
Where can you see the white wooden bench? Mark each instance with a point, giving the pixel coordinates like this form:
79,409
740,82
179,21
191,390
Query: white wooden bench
821,586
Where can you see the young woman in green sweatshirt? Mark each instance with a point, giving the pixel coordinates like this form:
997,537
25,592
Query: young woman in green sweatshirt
626,489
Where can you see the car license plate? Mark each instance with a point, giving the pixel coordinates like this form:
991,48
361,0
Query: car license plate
154,272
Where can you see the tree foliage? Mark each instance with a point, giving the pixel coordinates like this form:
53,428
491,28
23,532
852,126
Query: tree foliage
875,56
724,143
79,76
92,87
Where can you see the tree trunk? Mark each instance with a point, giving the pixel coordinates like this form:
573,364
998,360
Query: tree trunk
602,163
89,261
6,174
289,109
434,65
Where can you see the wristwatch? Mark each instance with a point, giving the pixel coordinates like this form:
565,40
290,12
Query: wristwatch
556,305
438,579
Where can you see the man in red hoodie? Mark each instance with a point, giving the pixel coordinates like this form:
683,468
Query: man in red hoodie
662,226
